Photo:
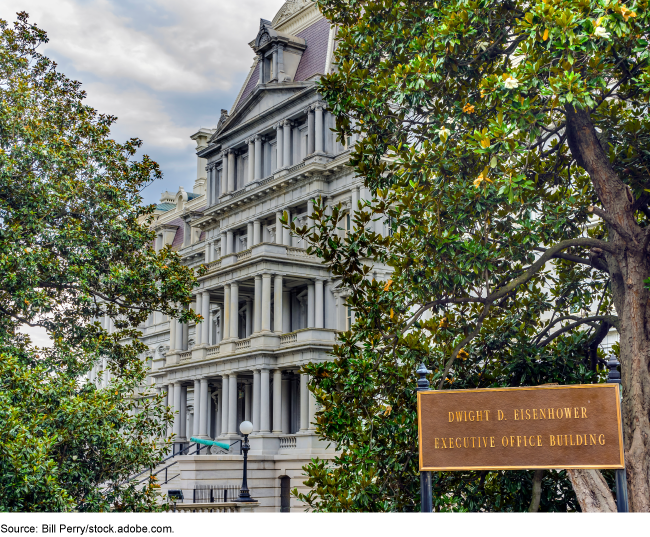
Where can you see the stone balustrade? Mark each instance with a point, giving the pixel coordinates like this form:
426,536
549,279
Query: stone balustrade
229,507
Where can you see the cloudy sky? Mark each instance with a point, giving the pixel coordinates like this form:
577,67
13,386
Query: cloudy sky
163,67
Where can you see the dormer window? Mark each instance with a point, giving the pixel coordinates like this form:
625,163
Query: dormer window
279,54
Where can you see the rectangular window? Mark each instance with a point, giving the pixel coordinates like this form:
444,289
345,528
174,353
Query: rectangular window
348,317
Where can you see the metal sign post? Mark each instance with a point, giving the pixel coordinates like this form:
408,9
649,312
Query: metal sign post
614,377
426,486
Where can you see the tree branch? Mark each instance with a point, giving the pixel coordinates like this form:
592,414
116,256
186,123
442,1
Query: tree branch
611,319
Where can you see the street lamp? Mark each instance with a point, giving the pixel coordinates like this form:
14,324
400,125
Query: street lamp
246,428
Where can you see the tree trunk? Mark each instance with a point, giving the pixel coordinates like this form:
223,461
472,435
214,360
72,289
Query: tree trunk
592,491
537,491
628,269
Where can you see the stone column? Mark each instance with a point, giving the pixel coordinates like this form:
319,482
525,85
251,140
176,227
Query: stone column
330,305
198,327
249,235
286,424
183,412
249,317
275,64
278,228
319,129
257,235
312,412
186,334
297,149
304,403
260,62
196,424
277,304
286,132
355,205
277,401
311,132
225,317
205,313
280,63
311,321
258,158
205,405
310,211
222,246
219,430
257,305
172,334
251,160
229,242
208,252
234,310
266,302
319,306
247,402
232,403
231,171
177,411
265,426
256,400
286,232
225,171
286,312
208,188
171,403
279,145
225,400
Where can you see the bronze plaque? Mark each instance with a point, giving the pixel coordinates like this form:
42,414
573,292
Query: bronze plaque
576,426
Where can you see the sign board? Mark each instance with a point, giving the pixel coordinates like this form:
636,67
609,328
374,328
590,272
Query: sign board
576,426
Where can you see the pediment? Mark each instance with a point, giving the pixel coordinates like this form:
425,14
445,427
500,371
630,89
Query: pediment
262,100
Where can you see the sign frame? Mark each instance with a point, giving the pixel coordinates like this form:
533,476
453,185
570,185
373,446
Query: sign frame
616,387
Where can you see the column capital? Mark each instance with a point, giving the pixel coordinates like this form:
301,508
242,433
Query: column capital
258,138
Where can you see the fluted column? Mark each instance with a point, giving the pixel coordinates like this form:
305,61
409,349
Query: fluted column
247,402
311,321
286,132
257,305
318,126
225,170
258,157
266,302
196,422
205,405
231,171
304,403
225,401
251,160
265,426
279,145
278,228
319,306
234,310
257,236
311,132
256,400
232,403
277,401
225,318
205,313
286,416
277,304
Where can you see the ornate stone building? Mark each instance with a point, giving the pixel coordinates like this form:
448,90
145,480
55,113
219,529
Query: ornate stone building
268,307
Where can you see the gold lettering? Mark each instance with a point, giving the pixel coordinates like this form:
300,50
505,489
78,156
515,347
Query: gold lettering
471,415
457,439
559,440
519,441
500,415
565,441
451,417
534,413
512,441
444,446
492,441
571,438
516,418
578,440
527,414
465,412
567,413
465,442
559,413
551,415
531,442
472,441
584,412
575,412
487,412
552,440
539,441
451,443
542,414
525,445
601,439
437,443
479,415
592,438
485,441
504,444
459,415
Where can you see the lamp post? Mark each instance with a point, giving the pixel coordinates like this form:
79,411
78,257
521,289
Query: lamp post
614,377
426,489
246,428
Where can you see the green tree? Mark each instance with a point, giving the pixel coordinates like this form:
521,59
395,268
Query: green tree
507,143
74,245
